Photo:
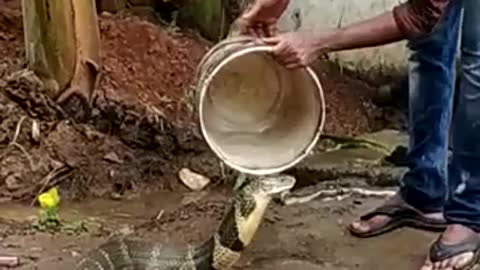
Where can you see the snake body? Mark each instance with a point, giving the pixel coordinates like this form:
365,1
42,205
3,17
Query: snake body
219,252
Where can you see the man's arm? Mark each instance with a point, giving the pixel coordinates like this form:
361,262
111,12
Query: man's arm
418,17
409,20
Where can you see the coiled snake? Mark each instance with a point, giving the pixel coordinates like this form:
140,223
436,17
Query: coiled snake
220,251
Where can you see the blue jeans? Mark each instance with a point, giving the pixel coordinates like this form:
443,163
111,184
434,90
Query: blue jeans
433,185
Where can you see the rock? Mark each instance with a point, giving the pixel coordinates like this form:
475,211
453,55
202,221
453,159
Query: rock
91,134
106,14
36,249
115,196
125,231
35,131
193,180
9,261
12,183
75,254
113,157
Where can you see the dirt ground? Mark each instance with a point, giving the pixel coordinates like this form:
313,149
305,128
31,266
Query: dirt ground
119,169
308,236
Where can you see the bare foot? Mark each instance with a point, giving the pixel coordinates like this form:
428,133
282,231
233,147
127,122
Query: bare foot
454,234
378,221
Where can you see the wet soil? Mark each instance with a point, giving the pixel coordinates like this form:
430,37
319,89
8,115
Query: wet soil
306,236
118,170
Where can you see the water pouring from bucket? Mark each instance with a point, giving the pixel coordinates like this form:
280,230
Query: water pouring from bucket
257,116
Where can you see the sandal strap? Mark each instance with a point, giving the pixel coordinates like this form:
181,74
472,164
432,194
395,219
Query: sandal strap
440,251
391,211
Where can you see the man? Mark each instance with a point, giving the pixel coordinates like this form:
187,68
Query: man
425,199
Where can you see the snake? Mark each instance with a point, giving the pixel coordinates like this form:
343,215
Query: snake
219,252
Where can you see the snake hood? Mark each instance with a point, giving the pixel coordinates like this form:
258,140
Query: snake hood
268,186
219,252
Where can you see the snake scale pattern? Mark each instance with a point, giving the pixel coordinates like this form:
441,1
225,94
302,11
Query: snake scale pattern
219,252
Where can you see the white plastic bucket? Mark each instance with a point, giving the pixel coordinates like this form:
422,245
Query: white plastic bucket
257,116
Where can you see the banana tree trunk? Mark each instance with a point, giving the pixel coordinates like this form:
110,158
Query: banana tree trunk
62,43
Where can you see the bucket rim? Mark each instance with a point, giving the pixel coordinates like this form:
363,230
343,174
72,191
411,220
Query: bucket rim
269,170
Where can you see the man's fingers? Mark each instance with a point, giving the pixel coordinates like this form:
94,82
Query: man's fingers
269,30
295,63
271,40
284,57
292,66
281,51
272,30
291,62
252,32
259,32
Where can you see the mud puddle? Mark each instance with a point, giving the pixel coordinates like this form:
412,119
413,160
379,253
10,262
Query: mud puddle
306,236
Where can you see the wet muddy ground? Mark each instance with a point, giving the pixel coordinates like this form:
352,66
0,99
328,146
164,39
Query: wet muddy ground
309,236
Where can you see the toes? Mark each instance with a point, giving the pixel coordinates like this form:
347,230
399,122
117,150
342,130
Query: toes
462,260
451,263
457,262
371,224
439,265
428,265
360,226
446,263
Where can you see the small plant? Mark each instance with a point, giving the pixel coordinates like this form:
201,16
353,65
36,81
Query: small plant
49,202
48,215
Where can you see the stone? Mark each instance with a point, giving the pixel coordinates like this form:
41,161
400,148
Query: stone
192,180
75,254
125,231
113,157
35,131
9,261
12,182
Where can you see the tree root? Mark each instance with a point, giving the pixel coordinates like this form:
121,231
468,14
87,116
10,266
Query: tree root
47,182
33,166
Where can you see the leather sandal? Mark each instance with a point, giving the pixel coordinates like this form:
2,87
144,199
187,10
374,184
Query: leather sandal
441,252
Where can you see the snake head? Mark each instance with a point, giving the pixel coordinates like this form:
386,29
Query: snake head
276,184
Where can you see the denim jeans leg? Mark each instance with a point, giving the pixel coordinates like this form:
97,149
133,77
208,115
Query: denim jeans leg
463,206
431,82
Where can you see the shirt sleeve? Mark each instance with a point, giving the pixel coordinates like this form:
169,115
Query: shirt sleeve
416,18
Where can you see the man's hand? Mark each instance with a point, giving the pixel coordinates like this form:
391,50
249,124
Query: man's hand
299,49
261,19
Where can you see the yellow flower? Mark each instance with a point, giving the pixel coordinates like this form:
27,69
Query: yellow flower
49,199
